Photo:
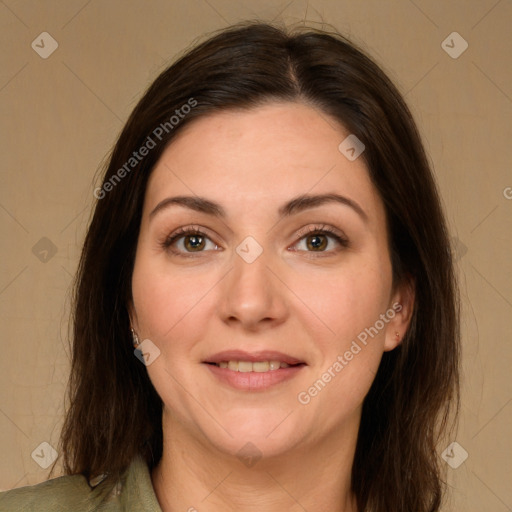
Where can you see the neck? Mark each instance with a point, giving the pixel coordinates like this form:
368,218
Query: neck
194,476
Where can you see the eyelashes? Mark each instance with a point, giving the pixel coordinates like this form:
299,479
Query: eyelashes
195,241
322,231
191,232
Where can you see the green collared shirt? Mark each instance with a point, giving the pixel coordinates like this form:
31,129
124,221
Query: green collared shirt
132,493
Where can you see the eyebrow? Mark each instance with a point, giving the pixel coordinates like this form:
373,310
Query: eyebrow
292,207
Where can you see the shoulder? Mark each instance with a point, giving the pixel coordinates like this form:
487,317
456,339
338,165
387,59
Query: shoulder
63,493
133,492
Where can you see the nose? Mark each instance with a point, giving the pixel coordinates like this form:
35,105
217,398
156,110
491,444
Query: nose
252,295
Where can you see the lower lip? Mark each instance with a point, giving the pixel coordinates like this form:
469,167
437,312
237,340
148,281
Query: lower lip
254,381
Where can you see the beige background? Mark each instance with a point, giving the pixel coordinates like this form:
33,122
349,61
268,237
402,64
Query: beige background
61,115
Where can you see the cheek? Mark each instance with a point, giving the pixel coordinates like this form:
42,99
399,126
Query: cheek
349,351
164,300
347,301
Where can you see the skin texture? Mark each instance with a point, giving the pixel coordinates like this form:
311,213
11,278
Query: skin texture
308,303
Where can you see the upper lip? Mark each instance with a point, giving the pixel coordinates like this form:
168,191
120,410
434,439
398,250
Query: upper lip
262,355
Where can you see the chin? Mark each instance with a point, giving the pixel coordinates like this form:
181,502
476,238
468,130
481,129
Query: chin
257,434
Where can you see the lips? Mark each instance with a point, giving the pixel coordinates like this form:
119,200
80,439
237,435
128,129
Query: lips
253,357
251,379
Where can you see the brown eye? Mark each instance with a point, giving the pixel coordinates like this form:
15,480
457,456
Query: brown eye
316,242
194,243
320,240
186,241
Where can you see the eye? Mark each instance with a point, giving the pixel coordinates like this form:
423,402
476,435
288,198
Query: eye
189,239
317,238
314,239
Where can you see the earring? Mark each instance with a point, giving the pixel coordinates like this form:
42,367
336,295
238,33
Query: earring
397,334
136,341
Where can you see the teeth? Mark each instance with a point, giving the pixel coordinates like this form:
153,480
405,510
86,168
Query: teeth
259,366
244,366
248,366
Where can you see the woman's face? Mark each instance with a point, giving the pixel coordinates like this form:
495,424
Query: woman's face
265,276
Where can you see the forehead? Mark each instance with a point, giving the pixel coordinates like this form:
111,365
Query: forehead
260,157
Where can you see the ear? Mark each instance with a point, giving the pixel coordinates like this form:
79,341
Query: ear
402,303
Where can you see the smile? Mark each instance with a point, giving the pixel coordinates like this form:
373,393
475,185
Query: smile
252,366
253,376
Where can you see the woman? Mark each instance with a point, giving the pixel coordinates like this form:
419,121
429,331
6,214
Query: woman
265,314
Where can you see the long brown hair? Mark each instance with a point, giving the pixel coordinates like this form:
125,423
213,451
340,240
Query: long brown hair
115,413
